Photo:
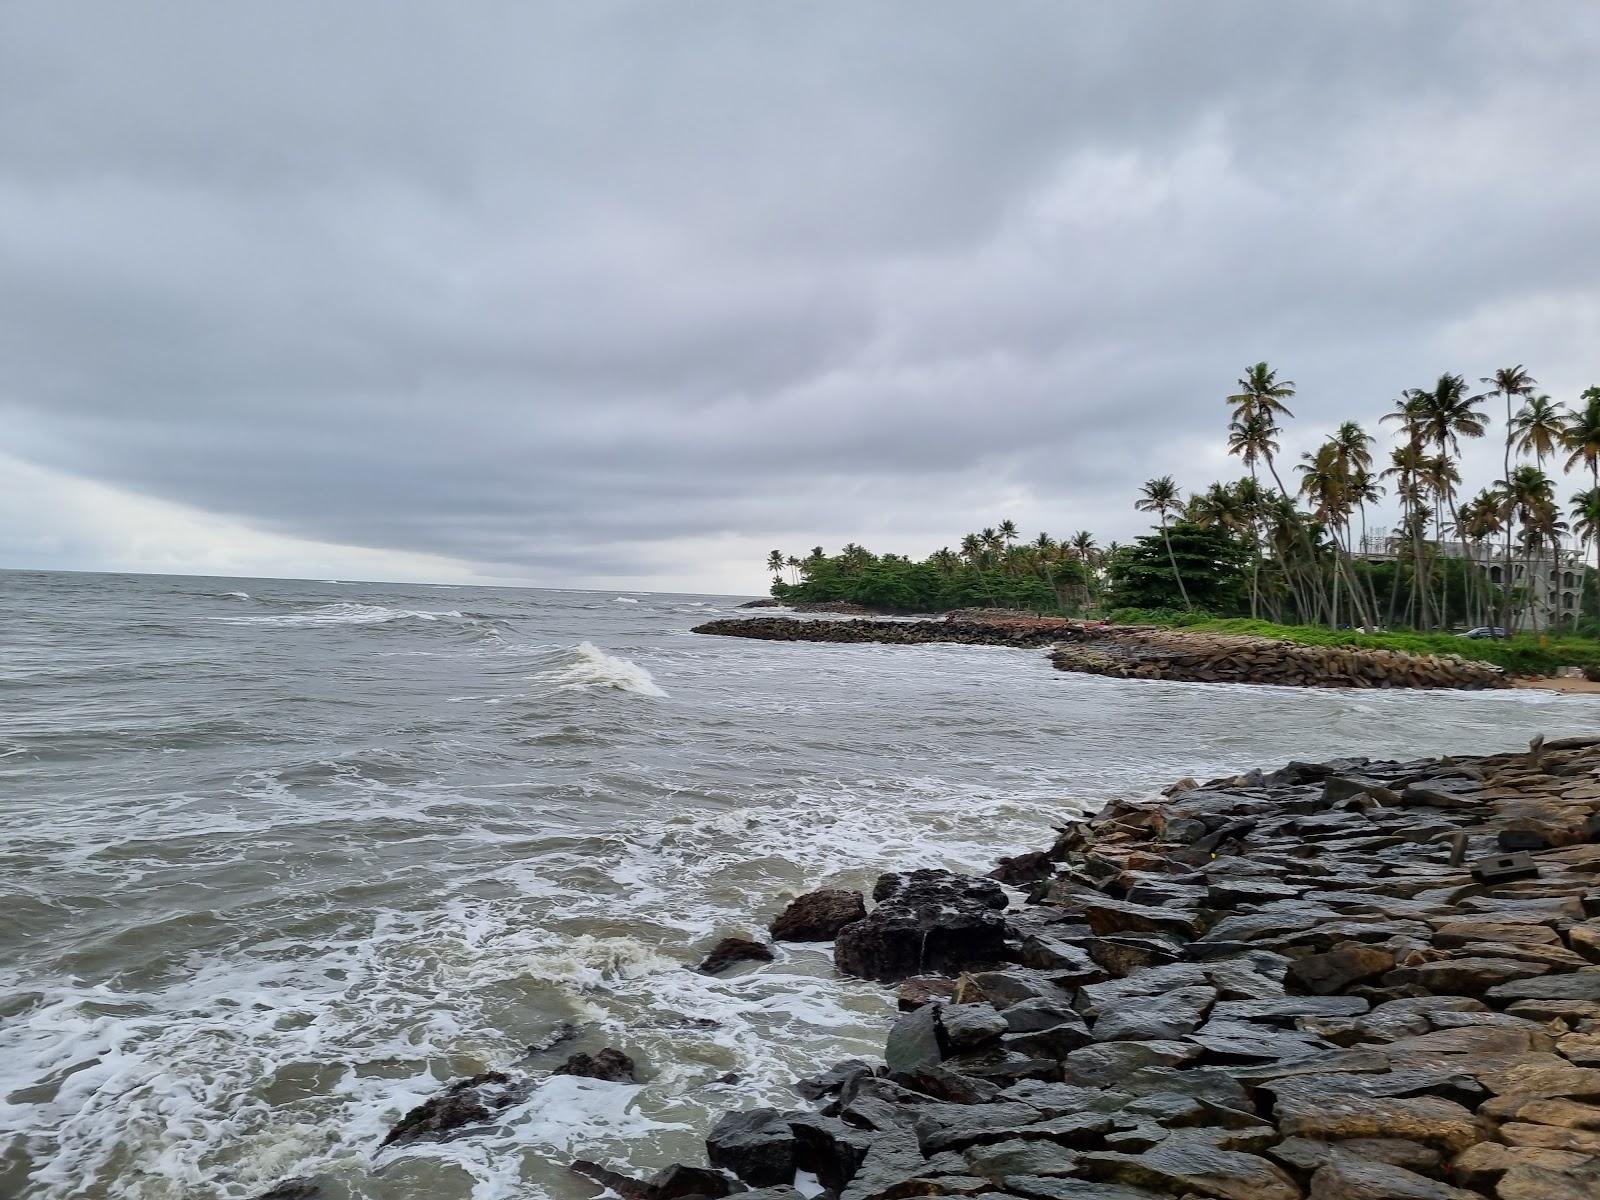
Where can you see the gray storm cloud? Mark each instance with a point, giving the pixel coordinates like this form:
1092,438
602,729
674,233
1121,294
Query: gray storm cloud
591,292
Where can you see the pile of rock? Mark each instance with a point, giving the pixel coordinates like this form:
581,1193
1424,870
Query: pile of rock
985,632
1347,981
1146,652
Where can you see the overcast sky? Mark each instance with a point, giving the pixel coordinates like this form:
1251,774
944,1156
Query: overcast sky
626,294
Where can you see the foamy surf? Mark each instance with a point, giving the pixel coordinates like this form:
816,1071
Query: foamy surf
623,600
350,614
589,667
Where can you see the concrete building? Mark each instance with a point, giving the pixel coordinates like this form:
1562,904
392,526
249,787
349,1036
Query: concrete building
1552,580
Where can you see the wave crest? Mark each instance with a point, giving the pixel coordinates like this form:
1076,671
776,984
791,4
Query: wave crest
352,614
587,667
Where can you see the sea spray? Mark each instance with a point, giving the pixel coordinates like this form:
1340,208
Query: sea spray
589,667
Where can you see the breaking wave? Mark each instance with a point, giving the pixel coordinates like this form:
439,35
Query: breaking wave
623,600
351,614
587,667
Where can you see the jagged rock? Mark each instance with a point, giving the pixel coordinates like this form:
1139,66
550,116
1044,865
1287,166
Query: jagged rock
757,1145
670,1183
1033,1156
610,1065
1337,969
1066,962
1036,1013
1158,1018
833,1080
927,920
1330,1116
1184,1162
1107,916
1578,985
1103,1064
1481,1166
1466,976
465,1102
818,916
731,951
916,1040
1568,1114
1347,1177
293,1189
1550,1137
833,1150
1002,989
968,1026
1304,1154
1023,869
924,989
1544,1075
1122,954
1527,1182
940,1083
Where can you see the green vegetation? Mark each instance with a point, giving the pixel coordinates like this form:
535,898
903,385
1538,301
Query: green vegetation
991,570
1524,654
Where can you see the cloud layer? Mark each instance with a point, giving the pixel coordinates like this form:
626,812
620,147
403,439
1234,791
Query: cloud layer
626,294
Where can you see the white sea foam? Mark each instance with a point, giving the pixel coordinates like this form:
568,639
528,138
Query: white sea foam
587,667
234,596
623,600
348,614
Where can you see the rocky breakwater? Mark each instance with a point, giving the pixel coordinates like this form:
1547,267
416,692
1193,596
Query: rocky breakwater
1349,981
1146,652
1015,631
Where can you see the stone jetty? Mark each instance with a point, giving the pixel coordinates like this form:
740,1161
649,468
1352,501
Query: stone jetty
1353,980
1145,651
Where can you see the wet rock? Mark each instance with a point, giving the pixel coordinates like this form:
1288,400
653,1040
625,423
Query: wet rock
818,916
833,1080
1033,1156
731,951
968,1026
833,1150
1124,954
757,1145
1549,1137
927,920
916,1040
465,1102
1066,962
1036,1013
676,1182
939,1083
924,989
610,1065
293,1189
1107,916
1023,869
1337,969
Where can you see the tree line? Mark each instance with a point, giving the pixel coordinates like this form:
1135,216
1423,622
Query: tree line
1451,558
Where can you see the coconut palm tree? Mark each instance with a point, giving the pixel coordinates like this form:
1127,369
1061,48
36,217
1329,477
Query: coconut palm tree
775,562
1528,501
971,548
1008,531
1160,496
1508,382
1540,427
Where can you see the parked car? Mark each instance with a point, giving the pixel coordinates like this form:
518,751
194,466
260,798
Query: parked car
1484,631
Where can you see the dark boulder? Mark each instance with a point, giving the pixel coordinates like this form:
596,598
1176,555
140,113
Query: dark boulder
731,951
818,916
757,1145
293,1189
927,920
1337,969
612,1066
465,1102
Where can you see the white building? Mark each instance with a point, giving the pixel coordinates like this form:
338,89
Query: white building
1552,580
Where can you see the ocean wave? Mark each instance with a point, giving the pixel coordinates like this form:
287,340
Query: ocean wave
623,600
345,613
587,667
234,596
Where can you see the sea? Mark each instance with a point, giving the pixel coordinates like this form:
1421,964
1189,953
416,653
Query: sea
280,859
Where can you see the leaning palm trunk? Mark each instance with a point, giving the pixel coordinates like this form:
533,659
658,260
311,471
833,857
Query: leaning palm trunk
1172,558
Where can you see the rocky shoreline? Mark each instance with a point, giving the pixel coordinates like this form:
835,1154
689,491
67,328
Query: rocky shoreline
1144,651
1348,981
1353,980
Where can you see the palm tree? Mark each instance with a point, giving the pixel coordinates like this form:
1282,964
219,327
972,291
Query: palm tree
793,564
1082,545
1008,531
775,562
1528,498
1160,496
1585,510
1540,427
971,548
1508,382
1581,436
